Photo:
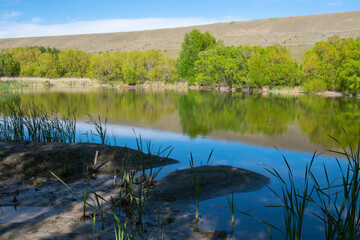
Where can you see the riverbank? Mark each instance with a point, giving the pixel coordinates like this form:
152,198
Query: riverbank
34,205
36,82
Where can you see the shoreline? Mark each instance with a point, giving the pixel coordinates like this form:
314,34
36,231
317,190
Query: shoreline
47,204
182,86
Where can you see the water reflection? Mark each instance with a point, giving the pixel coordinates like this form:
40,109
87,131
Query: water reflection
198,121
296,120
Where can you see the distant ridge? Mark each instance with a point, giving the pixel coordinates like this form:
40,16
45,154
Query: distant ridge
299,33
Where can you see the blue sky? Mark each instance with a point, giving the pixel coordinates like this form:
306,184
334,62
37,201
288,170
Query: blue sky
24,18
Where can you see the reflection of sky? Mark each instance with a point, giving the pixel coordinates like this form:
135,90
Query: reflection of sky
241,155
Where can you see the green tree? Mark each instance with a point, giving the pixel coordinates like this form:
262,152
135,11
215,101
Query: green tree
333,65
273,66
194,42
349,76
222,66
48,65
9,66
28,58
130,76
103,67
74,63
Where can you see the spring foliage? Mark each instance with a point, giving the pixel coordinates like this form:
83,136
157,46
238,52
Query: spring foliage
332,65
9,66
204,61
128,67
194,43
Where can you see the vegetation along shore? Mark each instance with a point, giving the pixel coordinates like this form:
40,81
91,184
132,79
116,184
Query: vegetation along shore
203,63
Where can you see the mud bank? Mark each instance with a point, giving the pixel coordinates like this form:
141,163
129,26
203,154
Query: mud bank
50,211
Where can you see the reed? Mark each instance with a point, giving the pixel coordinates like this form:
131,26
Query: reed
34,123
198,182
232,207
136,193
147,175
10,86
100,128
293,201
338,201
120,229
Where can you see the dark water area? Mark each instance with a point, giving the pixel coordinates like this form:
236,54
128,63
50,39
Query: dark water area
243,130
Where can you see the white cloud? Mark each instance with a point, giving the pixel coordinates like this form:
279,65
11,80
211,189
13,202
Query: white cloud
10,15
333,3
14,30
36,20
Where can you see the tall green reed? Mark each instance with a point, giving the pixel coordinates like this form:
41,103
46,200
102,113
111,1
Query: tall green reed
10,86
232,207
100,128
199,176
293,201
115,210
34,123
335,199
338,200
147,174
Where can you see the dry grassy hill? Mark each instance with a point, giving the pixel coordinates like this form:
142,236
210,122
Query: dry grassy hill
299,33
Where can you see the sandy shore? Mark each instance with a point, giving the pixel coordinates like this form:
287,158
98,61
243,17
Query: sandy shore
36,206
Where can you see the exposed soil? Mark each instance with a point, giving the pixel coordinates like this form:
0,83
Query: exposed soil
50,211
22,162
218,181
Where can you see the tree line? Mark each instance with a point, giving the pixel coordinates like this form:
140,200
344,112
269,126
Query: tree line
117,66
331,65
203,60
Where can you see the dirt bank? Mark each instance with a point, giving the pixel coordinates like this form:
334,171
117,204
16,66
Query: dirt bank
218,181
22,162
50,211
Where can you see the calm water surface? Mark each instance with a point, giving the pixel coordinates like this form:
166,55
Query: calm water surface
243,130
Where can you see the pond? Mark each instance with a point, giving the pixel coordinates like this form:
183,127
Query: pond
242,129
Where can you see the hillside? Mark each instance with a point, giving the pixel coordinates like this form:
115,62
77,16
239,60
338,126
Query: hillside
299,33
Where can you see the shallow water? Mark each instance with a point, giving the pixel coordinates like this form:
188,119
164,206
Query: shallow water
242,129
19,214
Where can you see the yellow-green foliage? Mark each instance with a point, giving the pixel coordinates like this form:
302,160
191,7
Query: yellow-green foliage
74,63
245,65
125,106
333,65
222,66
129,67
132,67
9,66
194,43
273,66
203,61
48,66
